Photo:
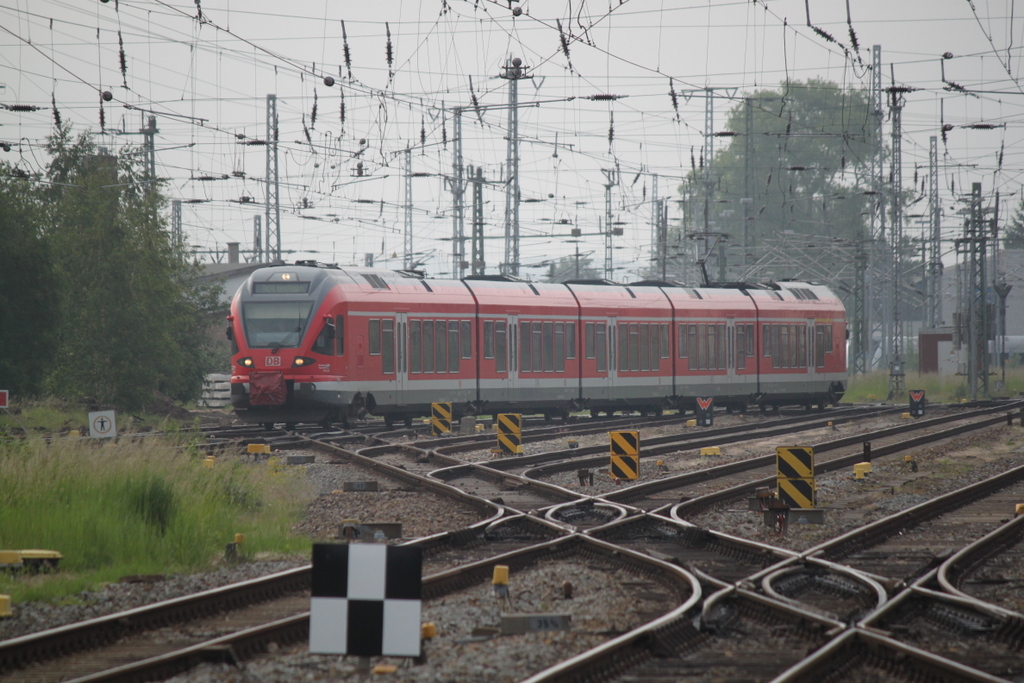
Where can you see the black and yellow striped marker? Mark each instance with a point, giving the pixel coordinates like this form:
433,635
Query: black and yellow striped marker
625,443
794,462
510,433
625,466
797,493
625,454
440,418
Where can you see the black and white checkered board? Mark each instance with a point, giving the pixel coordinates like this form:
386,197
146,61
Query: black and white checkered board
366,600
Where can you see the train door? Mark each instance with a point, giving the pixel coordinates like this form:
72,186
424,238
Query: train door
607,352
401,358
511,386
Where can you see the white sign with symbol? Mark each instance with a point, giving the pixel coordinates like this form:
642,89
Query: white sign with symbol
102,425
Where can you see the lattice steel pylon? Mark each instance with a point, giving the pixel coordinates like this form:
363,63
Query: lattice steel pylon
513,72
273,185
974,245
458,199
934,291
896,369
408,263
877,335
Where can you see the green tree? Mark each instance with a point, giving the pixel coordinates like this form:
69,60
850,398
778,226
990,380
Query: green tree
796,163
131,311
1013,233
27,305
567,268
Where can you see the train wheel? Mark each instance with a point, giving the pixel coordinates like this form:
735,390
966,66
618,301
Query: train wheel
289,426
763,407
325,423
389,421
269,426
595,413
408,421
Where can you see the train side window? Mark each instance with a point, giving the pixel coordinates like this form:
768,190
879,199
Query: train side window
702,346
453,346
559,347
784,346
692,344
536,350
655,348
601,346
642,357
570,340
549,347
741,347
623,347
374,337
428,346
440,346
387,335
682,340
466,336
415,350
524,347
589,341
339,335
500,347
796,337
724,345
665,350
750,340
488,339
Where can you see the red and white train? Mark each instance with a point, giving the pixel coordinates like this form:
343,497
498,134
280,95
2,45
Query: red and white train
317,343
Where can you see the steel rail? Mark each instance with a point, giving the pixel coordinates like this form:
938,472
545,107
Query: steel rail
951,572
253,641
701,503
858,646
879,530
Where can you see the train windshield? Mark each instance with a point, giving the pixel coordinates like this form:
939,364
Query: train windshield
276,324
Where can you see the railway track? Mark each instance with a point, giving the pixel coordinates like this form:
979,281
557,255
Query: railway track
766,612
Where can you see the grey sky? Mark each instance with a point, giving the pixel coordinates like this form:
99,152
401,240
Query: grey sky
208,82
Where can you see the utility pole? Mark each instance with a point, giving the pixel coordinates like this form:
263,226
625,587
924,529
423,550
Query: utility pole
458,199
478,264
513,72
611,180
273,194
748,170
935,238
974,247
408,210
257,239
860,340
148,143
176,234
896,369
877,324
657,244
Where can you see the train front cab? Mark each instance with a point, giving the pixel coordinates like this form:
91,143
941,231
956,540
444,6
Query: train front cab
287,326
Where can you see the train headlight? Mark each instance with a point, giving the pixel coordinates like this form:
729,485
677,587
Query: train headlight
246,362
302,361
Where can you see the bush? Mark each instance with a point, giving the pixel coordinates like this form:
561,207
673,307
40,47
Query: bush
139,507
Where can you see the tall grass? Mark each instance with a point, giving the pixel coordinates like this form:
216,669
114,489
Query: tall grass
139,507
874,386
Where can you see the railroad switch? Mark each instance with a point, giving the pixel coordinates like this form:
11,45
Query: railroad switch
573,443
586,477
662,466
